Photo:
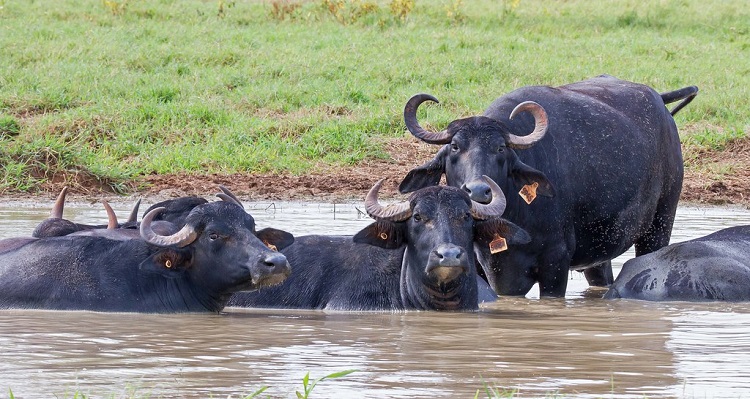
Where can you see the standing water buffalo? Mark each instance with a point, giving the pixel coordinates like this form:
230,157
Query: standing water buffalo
711,268
215,253
603,155
417,255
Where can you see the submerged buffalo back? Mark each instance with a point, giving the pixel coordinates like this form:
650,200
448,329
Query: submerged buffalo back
333,272
714,267
71,273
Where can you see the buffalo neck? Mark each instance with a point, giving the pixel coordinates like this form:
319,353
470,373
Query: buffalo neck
159,294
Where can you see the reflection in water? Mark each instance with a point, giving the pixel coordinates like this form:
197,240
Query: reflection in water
579,346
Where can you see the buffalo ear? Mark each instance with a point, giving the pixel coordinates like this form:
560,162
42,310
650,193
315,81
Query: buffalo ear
426,175
383,234
168,262
274,238
526,175
489,230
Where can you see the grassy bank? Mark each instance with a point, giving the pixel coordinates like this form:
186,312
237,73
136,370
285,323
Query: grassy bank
105,92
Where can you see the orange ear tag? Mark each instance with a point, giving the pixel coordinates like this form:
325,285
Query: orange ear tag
498,245
528,192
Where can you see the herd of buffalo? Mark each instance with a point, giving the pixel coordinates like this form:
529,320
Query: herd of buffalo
597,167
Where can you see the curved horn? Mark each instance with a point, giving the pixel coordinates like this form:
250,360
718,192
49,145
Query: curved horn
496,207
540,125
393,212
228,196
134,213
410,118
111,217
57,209
181,238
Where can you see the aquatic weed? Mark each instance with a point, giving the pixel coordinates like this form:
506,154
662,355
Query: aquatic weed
308,386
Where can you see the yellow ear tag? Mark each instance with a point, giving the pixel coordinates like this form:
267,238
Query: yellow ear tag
498,245
528,192
383,236
168,264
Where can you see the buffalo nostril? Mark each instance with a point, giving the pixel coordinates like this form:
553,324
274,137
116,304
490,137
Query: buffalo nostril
478,191
449,253
271,270
274,261
447,262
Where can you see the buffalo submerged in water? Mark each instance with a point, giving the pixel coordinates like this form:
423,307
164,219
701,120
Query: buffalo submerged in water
55,225
417,255
216,252
711,268
600,171
167,221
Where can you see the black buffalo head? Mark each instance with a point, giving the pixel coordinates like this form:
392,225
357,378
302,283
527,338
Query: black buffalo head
218,248
439,227
175,210
478,146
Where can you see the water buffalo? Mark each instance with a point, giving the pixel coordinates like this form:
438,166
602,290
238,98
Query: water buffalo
417,255
711,268
56,225
175,211
602,165
215,253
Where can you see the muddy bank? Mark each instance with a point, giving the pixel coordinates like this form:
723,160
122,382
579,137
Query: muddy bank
711,177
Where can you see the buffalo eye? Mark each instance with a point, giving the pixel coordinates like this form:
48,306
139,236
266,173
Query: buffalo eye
417,217
501,150
454,147
213,236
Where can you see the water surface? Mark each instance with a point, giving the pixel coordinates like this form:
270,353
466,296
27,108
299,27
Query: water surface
580,346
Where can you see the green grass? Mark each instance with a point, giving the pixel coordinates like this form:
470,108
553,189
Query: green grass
111,91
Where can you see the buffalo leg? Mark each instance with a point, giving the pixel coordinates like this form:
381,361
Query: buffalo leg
553,282
660,231
600,275
651,243
553,272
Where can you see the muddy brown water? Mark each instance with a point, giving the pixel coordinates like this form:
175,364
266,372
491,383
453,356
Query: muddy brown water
580,346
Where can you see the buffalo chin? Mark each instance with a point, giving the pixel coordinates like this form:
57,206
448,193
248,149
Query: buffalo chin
445,274
272,280
267,281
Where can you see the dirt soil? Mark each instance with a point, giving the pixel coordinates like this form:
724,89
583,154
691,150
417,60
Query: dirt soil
719,177
716,178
